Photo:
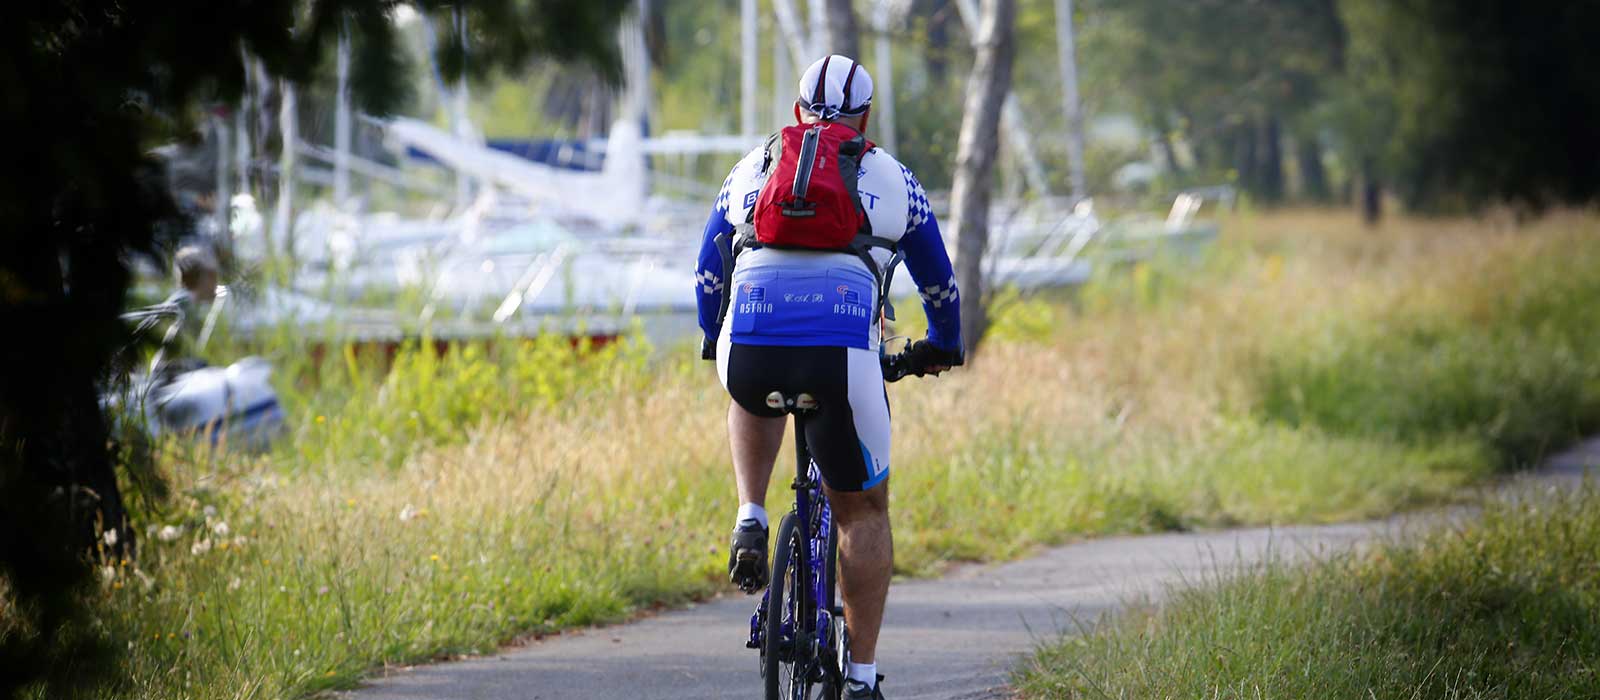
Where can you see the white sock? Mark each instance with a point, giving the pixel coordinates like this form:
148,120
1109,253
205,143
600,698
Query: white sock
751,511
865,673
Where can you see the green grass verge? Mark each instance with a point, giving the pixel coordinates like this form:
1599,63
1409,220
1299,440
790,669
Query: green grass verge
1507,606
454,502
1515,365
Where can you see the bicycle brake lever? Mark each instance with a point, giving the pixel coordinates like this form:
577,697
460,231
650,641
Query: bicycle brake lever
894,367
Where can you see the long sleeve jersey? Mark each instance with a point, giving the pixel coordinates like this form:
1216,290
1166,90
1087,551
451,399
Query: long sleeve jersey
898,208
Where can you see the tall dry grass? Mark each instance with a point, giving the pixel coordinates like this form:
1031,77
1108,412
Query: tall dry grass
1134,406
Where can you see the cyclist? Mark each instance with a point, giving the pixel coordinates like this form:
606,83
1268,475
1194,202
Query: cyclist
780,334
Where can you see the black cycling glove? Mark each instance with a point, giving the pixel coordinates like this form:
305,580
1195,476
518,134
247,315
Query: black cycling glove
922,354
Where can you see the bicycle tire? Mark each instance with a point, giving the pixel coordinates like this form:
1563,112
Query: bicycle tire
787,665
778,595
833,567
833,671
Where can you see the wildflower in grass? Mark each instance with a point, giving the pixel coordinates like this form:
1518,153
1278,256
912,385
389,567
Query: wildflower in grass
107,574
200,547
170,533
110,537
322,590
210,512
321,420
433,557
221,528
350,501
408,513
235,584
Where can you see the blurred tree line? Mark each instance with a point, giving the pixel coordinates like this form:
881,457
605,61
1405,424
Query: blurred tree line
1448,105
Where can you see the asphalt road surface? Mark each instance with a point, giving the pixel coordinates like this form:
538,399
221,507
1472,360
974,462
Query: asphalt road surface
955,637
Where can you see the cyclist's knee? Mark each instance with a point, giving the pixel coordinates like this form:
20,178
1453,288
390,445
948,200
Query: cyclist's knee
851,506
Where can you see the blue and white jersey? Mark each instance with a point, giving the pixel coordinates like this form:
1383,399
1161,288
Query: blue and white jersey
800,297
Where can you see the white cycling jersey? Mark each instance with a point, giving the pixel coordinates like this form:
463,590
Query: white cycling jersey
897,207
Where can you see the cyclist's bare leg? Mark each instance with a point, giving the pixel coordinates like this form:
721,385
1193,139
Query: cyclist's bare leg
755,442
866,560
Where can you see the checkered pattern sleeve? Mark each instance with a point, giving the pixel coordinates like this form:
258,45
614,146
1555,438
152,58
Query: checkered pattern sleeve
929,265
708,280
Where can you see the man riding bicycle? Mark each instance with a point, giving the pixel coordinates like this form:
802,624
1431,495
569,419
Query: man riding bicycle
803,318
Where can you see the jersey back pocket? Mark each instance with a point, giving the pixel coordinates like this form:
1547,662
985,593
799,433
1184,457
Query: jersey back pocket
811,306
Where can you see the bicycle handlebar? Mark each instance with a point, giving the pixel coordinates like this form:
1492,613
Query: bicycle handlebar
895,367
916,359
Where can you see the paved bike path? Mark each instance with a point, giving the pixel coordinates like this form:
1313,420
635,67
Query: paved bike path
954,637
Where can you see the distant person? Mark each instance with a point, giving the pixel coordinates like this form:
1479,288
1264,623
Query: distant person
804,316
196,272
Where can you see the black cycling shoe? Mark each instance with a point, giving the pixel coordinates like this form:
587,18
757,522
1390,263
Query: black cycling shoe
856,690
747,557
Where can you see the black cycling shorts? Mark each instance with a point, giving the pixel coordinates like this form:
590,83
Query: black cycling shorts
849,432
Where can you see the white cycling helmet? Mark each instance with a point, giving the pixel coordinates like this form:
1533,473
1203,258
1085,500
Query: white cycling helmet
835,86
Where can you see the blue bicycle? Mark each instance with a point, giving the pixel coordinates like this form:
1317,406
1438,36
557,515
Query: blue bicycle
798,626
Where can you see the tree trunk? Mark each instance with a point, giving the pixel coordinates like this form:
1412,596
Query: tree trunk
976,150
1313,177
1170,151
1371,194
843,36
1168,147
940,15
1243,140
794,36
1269,165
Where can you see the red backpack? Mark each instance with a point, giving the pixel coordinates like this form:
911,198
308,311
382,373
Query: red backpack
810,201
810,198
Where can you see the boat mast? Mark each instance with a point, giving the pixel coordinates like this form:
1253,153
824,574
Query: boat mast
1069,94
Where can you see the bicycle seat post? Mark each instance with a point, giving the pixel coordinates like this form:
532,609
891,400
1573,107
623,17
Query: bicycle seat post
800,406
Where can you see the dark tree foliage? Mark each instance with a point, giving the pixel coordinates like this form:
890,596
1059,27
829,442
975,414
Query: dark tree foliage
90,88
1498,101
1453,104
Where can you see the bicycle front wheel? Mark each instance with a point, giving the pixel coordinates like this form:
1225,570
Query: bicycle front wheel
792,671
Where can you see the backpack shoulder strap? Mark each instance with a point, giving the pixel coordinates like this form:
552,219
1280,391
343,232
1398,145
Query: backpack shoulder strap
766,164
728,248
862,247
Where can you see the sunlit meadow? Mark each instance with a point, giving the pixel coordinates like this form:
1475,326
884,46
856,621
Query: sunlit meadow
1304,369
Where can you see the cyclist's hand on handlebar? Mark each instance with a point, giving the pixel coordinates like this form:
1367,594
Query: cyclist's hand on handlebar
927,358
920,358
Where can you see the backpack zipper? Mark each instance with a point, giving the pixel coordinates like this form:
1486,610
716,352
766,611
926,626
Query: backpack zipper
808,159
